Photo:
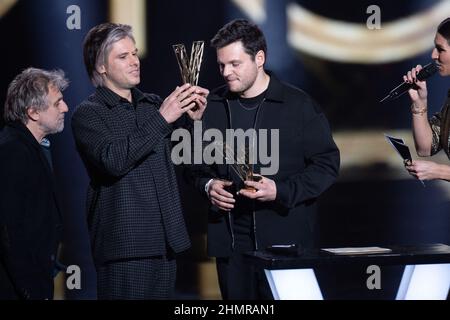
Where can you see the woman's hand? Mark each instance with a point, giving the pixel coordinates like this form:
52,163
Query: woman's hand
418,93
425,170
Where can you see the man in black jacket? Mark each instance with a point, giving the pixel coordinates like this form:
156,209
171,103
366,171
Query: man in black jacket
123,136
280,209
30,218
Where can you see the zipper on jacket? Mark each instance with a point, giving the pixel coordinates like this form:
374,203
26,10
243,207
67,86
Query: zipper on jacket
228,173
255,240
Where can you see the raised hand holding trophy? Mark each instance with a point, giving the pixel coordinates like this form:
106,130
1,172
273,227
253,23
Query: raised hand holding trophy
190,67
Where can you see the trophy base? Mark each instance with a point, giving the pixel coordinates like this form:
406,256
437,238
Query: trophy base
195,108
255,179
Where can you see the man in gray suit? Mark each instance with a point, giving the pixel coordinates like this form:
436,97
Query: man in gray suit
123,136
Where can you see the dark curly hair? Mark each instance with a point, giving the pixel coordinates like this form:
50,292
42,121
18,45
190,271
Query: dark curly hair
248,33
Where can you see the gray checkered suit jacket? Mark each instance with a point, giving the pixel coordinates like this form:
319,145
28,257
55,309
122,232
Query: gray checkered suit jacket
133,202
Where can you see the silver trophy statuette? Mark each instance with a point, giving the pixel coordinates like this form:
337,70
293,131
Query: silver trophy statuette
190,66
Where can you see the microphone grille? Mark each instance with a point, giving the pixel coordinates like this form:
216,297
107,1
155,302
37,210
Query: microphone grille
427,71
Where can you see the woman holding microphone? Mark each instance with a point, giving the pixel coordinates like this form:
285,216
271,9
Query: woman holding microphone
431,135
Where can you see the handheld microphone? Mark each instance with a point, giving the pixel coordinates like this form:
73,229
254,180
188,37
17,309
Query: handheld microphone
423,74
